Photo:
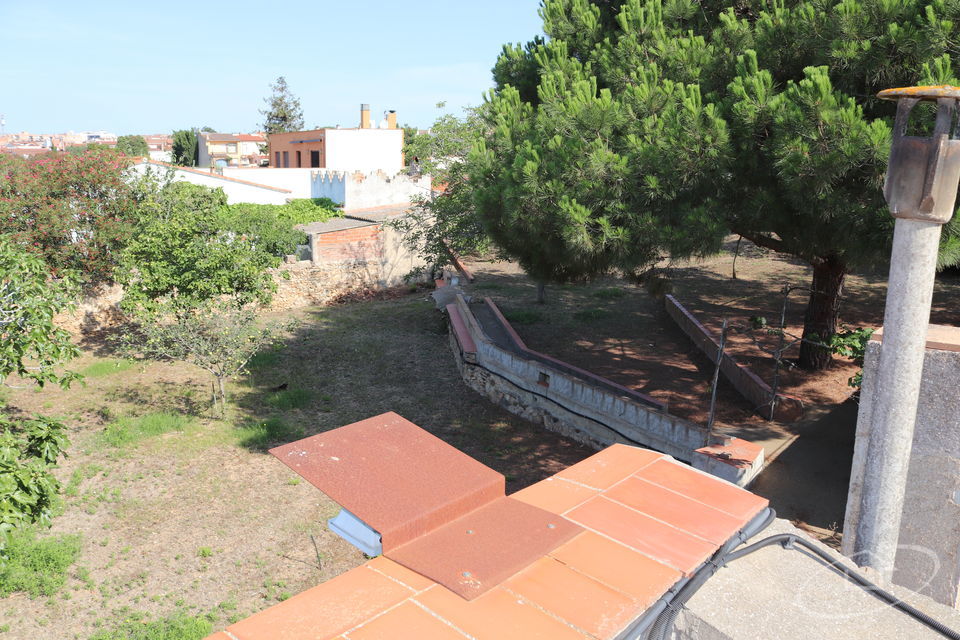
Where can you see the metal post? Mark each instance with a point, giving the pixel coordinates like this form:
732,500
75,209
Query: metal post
716,381
921,190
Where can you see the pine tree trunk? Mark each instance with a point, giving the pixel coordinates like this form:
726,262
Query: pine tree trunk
541,292
823,308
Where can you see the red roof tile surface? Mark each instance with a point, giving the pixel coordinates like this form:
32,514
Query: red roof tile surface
649,520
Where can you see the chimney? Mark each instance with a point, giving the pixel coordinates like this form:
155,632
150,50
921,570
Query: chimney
391,119
364,116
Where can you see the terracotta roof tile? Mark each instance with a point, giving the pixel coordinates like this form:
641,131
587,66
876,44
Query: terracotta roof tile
660,541
617,566
326,610
400,573
406,622
368,465
668,506
650,520
610,466
572,596
555,494
497,615
475,553
705,488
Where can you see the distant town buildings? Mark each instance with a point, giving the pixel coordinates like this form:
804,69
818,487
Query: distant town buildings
230,150
369,147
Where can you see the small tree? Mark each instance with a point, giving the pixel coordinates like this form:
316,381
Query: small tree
214,335
134,146
182,256
186,147
283,112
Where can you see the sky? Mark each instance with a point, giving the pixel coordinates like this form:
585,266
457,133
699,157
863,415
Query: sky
139,67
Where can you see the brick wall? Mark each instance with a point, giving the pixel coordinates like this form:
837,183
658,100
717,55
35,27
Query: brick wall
745,381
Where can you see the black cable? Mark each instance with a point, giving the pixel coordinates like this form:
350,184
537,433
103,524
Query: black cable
788,540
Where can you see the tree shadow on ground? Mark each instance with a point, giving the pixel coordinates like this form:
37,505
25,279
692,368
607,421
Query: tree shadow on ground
346,363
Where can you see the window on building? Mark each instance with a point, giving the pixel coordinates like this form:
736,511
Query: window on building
299,164
286,158
232,147
315,159
276,161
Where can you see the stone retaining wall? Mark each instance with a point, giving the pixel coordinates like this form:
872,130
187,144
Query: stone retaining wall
566,403
745,381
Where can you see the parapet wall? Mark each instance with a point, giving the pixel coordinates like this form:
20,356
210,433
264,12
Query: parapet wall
745,381
361,190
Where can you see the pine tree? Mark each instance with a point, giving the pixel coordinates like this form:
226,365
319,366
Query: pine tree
283,112
186,147
648,126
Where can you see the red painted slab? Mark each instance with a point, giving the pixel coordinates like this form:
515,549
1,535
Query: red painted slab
478,551
460,329
393,475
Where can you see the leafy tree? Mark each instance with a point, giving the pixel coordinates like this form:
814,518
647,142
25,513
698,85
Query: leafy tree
74,211
31,347
661,124
186,147
445,220
135,146
214,335
182,256
271,226
283,112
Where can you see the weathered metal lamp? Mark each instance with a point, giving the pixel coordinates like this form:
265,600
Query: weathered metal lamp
921,191
923,173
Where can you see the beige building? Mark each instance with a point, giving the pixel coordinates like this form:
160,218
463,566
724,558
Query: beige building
229,150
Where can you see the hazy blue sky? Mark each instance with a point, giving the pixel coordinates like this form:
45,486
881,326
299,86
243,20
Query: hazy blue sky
139,67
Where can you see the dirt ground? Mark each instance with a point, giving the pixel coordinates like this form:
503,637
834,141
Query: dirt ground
198,521
619,331
195,521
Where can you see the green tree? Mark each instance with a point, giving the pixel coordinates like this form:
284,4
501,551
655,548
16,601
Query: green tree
186,147
32,348
214,335
445,220
182,256
76,211
283,112
665,123
134,146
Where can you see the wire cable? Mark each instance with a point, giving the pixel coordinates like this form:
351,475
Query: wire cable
791,541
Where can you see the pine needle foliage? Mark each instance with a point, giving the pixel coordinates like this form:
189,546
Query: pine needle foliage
639,128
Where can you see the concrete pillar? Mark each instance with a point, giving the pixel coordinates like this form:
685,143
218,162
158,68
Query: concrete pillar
913,265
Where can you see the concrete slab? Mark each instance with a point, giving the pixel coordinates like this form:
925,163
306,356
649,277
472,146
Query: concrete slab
791,595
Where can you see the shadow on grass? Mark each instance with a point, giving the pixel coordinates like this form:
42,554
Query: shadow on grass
349,362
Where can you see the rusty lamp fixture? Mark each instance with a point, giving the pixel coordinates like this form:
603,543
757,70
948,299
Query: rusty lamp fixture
921,191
